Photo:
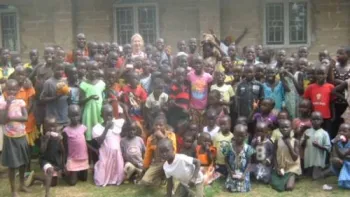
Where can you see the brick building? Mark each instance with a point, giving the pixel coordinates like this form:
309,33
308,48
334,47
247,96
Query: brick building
320,24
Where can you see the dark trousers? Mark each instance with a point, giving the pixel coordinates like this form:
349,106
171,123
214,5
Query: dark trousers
338,120
327,126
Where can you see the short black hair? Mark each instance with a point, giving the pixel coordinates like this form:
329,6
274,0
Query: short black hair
165,142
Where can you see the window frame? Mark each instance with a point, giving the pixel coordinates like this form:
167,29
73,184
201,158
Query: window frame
12,9
135,7
286,43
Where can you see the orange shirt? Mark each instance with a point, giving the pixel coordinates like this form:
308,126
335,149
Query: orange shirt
152,153
70,56
203,157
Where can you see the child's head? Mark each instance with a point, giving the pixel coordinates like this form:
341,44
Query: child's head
302,64
93,70
166,73
93,48
342,56
259,71
181,46
248,72
133,80
226,63
305,108
132,129
231,51
158,87
72,73
81,67
285,127
303,52
20,74
188,140
111,76
159,124
180,74
192,45
193,128
148,49
160,44
211,117
204,139
74,114
5,56
266,55
310,74
242,120
250,54
114,47
34,56
270,73
50,124
214,97
289,64
316,119
225,124
112,59
100,59
166,149
262,129
198,65
58,71
267,105
12,87
157,56
127,50
101,48
240,133
282,115
321,74
259,50
344,129
106,46
219,77
182,61
323,55
281,56
60,56
107,112
49,55
237,72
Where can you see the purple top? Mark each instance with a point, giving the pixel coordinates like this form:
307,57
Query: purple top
77,149
271,119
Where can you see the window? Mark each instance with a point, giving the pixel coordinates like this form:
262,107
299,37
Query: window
138,18
9,33
286,22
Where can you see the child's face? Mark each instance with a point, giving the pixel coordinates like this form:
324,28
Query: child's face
20,75
259,50
115,47
304,108
249,73
12,89
50,125
134,81
166,152
180,75
242,120
282,116
211,118
316,120
58,71
266,106
93,71
250,54
198,65
127,50
181,46
183,62
344,129
213,99
320,74
240,134
261,130
285,128
225,125
133,130
160,44
74,116
289,64
310,74
193,128
49,55
303,52
205,140
158,90
281,56
208,68
100,48
107,113
81,69
73,74
5,56
220,77
231,51
270,74
323,55
159,125
237,73
192,45
112,59
34,56
226,63
156,57
259,72
188,141
148,49
342,56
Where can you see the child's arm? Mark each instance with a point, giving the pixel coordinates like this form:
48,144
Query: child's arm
340,88
294,152
304,139
83,99
197,166
169,188
283,81
239,39
102,137
44,140
326,144
209,154
65,144
299,85
148,155
215,37
44,97
255,109
24,117
275,163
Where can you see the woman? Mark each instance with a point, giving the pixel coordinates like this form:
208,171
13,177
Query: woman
137,46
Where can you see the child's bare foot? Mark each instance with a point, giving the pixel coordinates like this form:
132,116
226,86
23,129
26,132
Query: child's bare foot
15,194
24,189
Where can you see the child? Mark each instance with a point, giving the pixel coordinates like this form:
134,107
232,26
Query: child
259,72
340,160
215,104
52,153
75,146
277,134
6,68
206,154
264,153
317,145
146,76
81,67
153,162
248,91
303,52
338,91
212,127
273,88
189,145
301,124
320,94
238,161
294,84
15,153
184,169
73,83
287,159
56,100
133,149
266,112
225,90
200,82
34,61
90,97
221,140
109,169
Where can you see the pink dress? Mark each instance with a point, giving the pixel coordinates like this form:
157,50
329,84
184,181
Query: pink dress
109,169
77,159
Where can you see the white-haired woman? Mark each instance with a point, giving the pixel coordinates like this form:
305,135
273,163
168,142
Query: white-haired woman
137,46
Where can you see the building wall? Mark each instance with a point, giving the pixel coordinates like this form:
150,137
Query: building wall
330,23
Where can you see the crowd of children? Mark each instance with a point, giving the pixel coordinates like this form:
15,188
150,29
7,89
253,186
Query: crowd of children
150,116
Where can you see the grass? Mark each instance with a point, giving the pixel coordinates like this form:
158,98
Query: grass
305,187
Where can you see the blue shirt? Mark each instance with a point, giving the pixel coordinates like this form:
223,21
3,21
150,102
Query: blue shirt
277,94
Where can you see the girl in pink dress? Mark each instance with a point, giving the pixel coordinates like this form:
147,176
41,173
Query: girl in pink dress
109,169
77,164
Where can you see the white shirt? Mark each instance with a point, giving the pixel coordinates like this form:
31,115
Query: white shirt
182,169
109,141
151,102
212,132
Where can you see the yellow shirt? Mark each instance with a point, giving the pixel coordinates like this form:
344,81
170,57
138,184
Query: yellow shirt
5,73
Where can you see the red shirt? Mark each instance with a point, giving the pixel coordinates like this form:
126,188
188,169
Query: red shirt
320,96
